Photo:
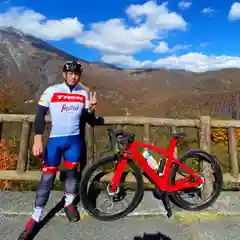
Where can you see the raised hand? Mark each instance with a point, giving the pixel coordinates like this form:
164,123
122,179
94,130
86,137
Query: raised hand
92,101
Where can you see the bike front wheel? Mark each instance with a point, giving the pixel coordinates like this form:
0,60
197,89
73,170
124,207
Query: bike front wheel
199,157
90,190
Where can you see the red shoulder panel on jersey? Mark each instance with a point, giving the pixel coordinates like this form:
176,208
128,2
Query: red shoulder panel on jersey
68,97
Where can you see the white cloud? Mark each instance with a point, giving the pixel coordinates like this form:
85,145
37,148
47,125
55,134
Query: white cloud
207,10
234,13
164,48
151,22
184,5
38,25
126,61
113,36
195,62
118,41
156,16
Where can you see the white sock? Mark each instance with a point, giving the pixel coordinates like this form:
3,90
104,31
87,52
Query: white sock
69,199
38,213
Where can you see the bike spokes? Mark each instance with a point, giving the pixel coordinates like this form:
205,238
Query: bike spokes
188,179
97,188
194,186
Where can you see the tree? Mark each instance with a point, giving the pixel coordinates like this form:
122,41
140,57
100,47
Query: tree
12,96
8,161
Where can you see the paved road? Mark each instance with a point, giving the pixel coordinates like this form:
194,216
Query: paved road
16,208
22,202
128,228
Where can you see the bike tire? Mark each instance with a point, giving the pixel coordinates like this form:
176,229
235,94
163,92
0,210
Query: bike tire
91,210
175,196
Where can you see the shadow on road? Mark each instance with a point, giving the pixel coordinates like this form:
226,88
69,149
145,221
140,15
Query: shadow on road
152,236
58,207
51,214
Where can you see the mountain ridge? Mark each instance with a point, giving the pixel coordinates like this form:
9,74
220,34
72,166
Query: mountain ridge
33,64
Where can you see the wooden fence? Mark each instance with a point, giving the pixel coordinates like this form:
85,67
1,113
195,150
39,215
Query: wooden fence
203,124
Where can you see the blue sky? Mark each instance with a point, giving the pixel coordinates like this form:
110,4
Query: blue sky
192,35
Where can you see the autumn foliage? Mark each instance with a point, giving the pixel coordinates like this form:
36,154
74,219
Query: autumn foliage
7,161
12,96
220,136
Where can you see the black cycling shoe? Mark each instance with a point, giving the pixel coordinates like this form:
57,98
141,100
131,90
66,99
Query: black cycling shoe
72,213
30,230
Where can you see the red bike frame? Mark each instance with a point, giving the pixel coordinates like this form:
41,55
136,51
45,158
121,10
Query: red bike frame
162,182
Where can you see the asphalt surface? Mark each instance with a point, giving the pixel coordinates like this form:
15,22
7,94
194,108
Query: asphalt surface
16,209
128,228
22,202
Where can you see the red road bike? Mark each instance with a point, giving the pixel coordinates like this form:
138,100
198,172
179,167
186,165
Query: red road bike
167,186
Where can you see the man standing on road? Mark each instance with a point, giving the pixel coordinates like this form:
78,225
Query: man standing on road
67,103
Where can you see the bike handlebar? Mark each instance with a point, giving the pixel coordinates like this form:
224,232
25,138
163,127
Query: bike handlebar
120,138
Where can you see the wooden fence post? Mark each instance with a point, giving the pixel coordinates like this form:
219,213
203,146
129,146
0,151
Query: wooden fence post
90,143
1,126
205,144
24,145
205,133
147,133
29,161
174,130
232,149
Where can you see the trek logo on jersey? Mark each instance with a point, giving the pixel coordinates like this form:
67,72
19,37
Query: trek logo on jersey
68,97
67,108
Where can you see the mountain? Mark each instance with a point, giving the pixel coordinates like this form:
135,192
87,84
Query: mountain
28,65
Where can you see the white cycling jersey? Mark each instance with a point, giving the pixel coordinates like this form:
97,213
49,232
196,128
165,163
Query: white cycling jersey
65,108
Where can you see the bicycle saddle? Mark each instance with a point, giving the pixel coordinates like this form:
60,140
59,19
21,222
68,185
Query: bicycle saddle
178,135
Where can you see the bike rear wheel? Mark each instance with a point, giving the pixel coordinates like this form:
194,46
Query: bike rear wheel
88,193
177,197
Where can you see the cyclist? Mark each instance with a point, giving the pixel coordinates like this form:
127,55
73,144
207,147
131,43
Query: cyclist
67,102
